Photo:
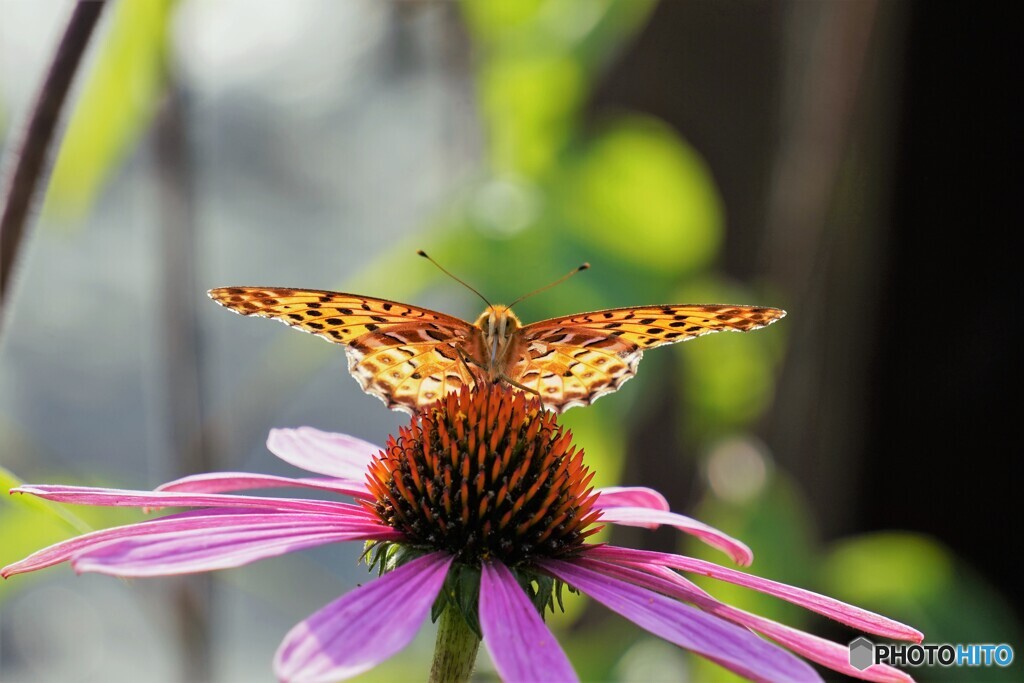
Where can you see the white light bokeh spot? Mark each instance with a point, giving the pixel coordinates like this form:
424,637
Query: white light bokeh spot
737,468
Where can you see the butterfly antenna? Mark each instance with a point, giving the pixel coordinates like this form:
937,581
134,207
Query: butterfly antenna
559,281
448,273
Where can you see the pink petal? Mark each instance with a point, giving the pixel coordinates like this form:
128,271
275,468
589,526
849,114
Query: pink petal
185,521
202,550
733,647
824,652
220,482
631,496
85,495
638,516
336,455
850,615
365,626
521,646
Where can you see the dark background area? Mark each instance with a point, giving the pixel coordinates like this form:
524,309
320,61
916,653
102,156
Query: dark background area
926,438
945,401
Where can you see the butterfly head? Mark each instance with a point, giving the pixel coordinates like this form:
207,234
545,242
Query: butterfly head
498,324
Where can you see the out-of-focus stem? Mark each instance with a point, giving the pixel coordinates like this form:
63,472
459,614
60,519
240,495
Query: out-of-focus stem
180,358
29,159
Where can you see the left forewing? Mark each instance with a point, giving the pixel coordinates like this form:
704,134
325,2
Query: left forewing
405,355
336,316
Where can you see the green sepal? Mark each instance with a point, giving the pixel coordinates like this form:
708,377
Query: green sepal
383,556
544,591
461,590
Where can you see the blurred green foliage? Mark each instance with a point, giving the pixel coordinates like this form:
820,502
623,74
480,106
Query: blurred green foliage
116,104
637,175
730,383
30,524
918,580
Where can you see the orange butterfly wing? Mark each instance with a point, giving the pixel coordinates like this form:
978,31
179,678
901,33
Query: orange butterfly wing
574,360
406,356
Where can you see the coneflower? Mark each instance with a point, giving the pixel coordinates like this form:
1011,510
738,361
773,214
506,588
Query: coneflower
479,514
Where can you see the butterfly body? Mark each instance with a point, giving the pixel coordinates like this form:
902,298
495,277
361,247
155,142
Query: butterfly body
410,357
501,341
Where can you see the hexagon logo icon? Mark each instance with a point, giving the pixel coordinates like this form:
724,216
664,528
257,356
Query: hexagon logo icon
862,653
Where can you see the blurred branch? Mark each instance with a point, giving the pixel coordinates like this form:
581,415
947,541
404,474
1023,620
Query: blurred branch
825,238
182,371
30,159
820,102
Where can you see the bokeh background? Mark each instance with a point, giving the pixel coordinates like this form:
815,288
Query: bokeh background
846,161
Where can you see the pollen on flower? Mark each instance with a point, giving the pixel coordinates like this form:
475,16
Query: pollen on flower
485,474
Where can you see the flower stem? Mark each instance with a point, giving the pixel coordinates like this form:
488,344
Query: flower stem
455,650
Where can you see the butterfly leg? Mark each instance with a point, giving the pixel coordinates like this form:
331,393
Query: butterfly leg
467,360
517,385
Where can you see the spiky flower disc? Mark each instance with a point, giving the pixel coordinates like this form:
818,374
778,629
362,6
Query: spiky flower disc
485,474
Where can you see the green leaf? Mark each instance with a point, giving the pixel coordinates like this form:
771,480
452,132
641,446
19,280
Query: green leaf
59,512
729,380
641,194
30,523
598,431
889,566
537,62
490,22
776,525
530,102
915,579
116,104
592,30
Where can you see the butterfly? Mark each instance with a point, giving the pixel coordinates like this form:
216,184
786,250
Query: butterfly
410,357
